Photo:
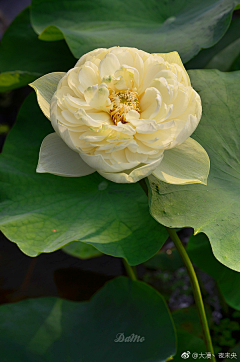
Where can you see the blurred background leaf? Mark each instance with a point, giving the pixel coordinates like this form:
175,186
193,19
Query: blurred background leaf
51,329
23,57
224,56
153,26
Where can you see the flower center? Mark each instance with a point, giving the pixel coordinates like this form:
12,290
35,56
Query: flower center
122,103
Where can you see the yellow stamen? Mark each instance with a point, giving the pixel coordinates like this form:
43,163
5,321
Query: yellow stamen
122,103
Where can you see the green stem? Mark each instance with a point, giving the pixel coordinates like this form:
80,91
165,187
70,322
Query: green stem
196,290
129,270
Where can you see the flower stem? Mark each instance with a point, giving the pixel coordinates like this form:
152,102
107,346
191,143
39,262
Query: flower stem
129,270
196,290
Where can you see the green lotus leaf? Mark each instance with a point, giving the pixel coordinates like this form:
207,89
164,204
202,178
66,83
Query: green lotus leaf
81,250
212,209
224,55
23,57
153,26
228,280
52,329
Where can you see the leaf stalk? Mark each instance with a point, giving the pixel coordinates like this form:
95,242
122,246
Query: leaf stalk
196,291
129,270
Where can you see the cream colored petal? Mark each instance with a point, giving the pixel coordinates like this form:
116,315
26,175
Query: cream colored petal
87,77
171,134
187,122
181,75
181,102
191,117
120,156
134,176
92,119
132,116
130,76
98,163
174,57
148,138
91,136
106,149
97,97
45,87
135,156
152,60
152,111
124,56
139,65
119,84
163,87
63,94
108,65
194,107
167,74
185,164
57,158
164,113
89,55
93,66
70,119
76,102
64,133
73,82
144,149
124,128
53,113
148,127
152,126
152,73
183,131
148,98
100,116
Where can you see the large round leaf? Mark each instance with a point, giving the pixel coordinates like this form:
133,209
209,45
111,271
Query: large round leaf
51,329
222,56
153,26
228,280
43,212
23,57
212,209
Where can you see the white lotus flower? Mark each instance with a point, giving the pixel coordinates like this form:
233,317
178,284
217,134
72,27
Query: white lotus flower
123,113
